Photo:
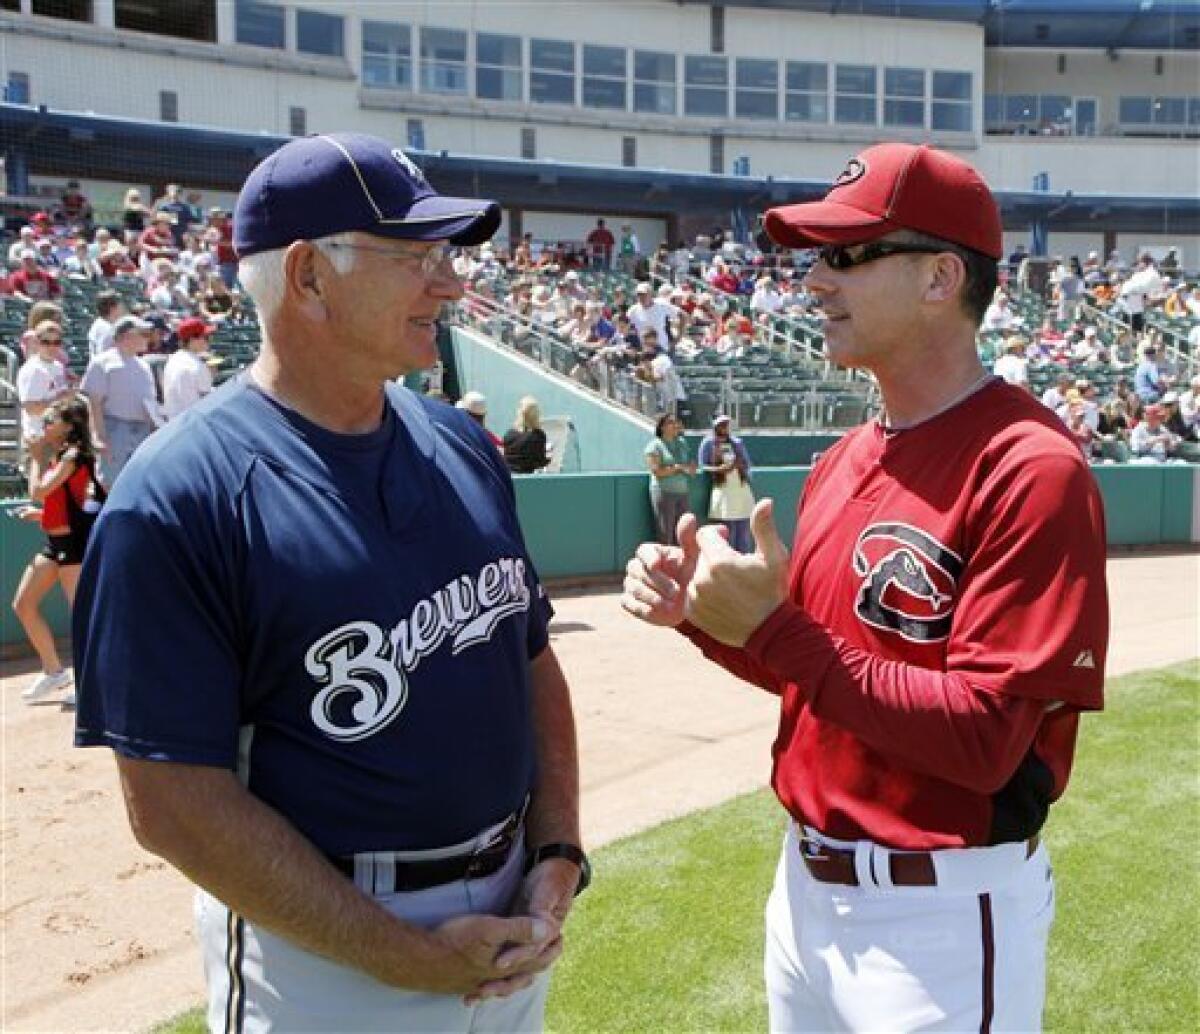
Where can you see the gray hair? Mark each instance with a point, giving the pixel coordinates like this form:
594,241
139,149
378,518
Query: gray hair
261,274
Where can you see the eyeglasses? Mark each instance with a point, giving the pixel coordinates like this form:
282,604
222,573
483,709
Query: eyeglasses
433,260
50,340
841,257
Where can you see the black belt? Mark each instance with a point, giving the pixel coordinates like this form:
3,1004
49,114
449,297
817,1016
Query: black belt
907,868
424,873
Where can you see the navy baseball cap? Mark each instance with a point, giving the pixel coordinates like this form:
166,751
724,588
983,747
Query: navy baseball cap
317,186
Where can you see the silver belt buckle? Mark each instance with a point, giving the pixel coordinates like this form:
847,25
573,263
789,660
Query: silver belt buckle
812,849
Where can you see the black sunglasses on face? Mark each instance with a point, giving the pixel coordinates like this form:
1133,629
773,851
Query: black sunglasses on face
838,256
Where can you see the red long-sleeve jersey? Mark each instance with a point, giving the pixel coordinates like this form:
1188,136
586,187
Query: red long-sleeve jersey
947,623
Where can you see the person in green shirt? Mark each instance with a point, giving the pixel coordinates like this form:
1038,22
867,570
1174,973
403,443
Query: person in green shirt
667,457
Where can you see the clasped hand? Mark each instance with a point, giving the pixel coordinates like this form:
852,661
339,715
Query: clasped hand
705,581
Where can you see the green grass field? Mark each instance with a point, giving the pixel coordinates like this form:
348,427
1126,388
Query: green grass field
669,938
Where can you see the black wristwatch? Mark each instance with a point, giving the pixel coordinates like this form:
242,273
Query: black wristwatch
572,853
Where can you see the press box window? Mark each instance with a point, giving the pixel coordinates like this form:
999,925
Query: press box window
757,89
950,110
706,87
168,106
654,79
194,21
716,154
498,67
604,78
856,95
443,61
319,33
17,90
807,92
69,10
297,121
552,71
259,25
387,55
629,152
415,134
904,97
528,142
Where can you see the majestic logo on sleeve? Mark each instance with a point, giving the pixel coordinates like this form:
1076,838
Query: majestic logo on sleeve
909,582
363,669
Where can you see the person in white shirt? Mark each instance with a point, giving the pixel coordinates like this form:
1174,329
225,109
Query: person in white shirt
1056,394
766,297
25,242
1150,441
1144,287
999,316
650,313
186,376
1012,365
169,295
119,386
1189,405
109,309
42,379
660,371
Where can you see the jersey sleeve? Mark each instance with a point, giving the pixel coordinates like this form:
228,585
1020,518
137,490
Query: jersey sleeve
156,655
1032,615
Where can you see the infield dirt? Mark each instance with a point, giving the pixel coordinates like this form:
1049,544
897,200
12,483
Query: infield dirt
98,933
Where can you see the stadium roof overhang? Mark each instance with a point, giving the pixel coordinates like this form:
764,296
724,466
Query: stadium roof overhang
99,147
1099,24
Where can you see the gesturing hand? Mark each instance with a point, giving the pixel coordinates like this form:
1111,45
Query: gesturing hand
475,949
657,577
730,594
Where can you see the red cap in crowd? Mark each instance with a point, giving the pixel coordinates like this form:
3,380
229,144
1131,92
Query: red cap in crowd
192,328
892,187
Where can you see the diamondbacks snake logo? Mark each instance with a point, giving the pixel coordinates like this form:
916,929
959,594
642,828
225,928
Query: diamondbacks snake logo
909,582
855,169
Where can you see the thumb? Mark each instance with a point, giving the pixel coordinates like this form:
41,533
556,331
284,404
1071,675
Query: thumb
685,533
767,542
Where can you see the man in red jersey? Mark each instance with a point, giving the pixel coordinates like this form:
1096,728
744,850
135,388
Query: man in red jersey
940,626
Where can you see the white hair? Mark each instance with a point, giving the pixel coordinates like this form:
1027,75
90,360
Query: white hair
261,274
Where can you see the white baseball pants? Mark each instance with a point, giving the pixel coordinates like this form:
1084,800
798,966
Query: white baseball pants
966,955
258,982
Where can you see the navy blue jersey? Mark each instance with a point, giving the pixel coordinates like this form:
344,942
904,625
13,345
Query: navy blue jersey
346,620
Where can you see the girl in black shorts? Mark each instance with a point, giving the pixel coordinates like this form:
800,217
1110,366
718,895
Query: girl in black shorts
66,496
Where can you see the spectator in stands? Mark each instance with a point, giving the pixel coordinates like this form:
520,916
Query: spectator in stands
134,213
600,244
187,377
766,298
680,263
157,241
1150,441
1012,365
1088,348
1173,419
1089,397
1148,380
725,458
32,283
218,238
667,457
100,241
1182,302
65,494
38,313
629,251
737,337
474,404
121,398
41,380
1074,416
721,278
1068,289
168,294
1189,407
76,208
1114,421
656,368
80,265
650,313
525,448
571,289
109,309
1143,288
217,302
116,261
46,259
179,210
42,224
1170,261
26,241
1056,395
999,316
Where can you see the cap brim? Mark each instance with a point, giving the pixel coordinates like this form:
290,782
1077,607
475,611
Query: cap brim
464,221
822,222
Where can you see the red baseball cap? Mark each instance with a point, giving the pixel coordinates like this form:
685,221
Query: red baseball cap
892,187
193,327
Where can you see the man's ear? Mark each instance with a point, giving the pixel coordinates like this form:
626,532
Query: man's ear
304,280
947,274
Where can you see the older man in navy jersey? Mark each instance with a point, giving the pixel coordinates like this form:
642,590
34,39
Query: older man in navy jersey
312,635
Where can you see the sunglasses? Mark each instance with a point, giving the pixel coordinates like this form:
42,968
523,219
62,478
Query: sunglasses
50,340
841,257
